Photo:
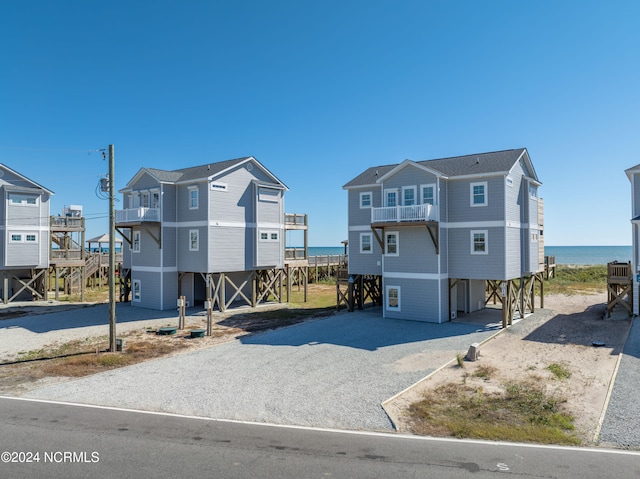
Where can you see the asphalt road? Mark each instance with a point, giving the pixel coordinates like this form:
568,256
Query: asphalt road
78,441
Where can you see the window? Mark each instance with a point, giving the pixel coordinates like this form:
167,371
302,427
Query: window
365,243
194,240
479,194
136,290
23,200
155,199
533,192
393,298
509,181
31,238
428,194
144,197
193,197
135,243
365,200
391,243
408,195
391,198
534,237
215,186
16,238
479,242
271,236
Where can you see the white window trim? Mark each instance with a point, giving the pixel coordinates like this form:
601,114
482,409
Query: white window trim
486,193
153,194
268,233
370,199
191,189
386,246
424,187
23,197
386,197
217,186
533,189
486,241
386,297
409,188
134,242
370,235
19,240
133,290
197,247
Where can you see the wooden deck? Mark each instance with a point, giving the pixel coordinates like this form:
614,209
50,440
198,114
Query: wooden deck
619,287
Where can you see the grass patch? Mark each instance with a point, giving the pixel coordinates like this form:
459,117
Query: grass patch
523,412
559,371
577,280
484,371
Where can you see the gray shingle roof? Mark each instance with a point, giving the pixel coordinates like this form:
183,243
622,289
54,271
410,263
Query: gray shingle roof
194,172
477,164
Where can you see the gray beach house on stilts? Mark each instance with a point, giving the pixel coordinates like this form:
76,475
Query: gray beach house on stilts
448,235
211,231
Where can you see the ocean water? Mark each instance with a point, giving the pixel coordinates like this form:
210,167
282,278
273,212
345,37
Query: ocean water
563,254
589,254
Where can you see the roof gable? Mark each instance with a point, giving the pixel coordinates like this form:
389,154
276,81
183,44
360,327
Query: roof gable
405,164
25,182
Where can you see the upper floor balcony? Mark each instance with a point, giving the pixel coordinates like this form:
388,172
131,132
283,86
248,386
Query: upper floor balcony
400,214
135,216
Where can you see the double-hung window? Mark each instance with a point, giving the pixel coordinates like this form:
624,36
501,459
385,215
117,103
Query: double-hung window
194,240
193,197
365,243
428,196
408,195
391,247
135,287
365,200
479,194
135,243
479,242
393,298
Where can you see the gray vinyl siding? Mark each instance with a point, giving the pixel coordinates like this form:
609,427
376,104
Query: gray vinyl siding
149,254
459,196
23,220
169,246
419,299
513,252
186,214
169,294
515,194
230,248
409,176
168,203
270,216
463,264
636,195
364,263
444,250
145,182
443,201
21,254
362,216
126,253
444,301
417,252
195,261
150,289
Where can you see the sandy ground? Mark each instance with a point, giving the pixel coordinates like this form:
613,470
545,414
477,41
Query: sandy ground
562,333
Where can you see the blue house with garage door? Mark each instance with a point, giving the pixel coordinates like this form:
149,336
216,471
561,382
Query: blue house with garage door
439,232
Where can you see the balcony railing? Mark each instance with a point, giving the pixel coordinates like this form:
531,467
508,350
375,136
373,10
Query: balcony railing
404,213
137,215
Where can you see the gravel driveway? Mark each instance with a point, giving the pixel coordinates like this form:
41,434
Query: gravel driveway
332,372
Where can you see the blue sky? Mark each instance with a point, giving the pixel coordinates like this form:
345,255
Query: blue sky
319,91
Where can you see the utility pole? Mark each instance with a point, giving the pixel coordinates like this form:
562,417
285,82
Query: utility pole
112,254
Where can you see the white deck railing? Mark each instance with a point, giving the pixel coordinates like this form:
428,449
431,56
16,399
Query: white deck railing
135,215
404,213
